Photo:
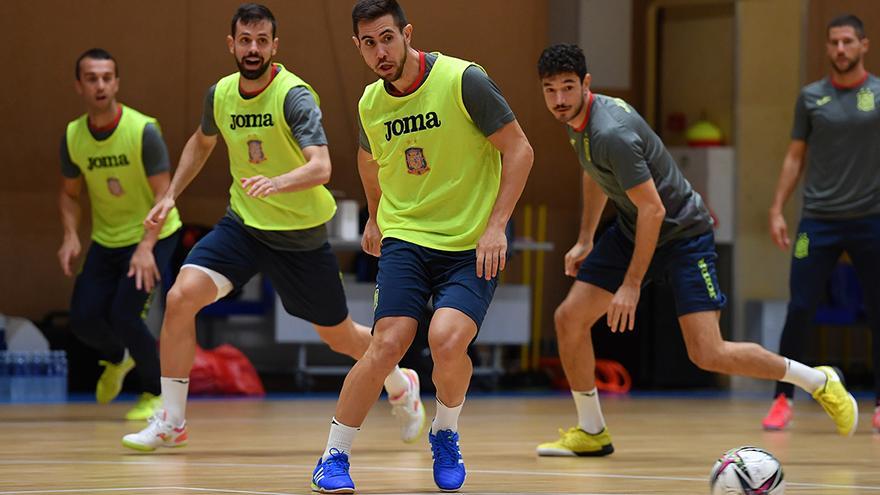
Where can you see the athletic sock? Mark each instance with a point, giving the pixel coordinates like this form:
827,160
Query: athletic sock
589,411
446,418
396,383
174,392
341,437
805,377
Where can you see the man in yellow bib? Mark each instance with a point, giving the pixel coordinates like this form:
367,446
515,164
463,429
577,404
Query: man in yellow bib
120,155
434,131
275,223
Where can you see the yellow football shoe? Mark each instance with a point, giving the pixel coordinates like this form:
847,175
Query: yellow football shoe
110,382
837,402
146,406
577,442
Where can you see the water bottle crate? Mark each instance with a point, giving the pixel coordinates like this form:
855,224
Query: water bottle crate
33,376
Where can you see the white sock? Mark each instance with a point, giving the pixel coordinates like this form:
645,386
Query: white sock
125,355
174,392
341,438
396,383
590,417
446,418
809,379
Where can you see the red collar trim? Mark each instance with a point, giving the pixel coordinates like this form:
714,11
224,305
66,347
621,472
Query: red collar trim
583,125
250,94
856,84
419,80
111,125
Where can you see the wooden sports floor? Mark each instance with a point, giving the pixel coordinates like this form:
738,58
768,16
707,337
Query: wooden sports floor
270,447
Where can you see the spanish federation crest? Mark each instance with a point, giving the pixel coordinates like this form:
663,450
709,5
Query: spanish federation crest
865,100
802,246
255,150
415,161
115,187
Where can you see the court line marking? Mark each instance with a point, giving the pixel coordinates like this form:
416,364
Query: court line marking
143,489
222,490
405,469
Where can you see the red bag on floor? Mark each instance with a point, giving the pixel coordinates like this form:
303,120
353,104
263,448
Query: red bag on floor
224,370
611,376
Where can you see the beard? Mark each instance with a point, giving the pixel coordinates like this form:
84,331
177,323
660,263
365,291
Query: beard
252,73
399,72
850,65
565,119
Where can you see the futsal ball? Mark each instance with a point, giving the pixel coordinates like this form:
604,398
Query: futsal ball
747,471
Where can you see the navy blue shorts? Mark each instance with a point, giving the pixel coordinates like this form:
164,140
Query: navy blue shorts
308,282
410,274
817,249
688,264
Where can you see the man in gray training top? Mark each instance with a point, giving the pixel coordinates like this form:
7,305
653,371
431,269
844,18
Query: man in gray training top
837,119
663,229
275,223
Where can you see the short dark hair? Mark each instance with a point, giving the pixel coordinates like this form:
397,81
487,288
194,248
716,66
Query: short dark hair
249,13
848,20
368,10
97,54
560,58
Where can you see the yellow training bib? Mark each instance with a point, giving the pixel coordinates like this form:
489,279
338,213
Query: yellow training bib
117,183
439,175
260,143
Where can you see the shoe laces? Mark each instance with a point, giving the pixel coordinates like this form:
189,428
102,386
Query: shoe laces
398,408
831,400
156,426
571,432
445,449
336,464
403,409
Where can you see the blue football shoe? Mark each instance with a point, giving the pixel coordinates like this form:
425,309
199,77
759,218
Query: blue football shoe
449,470
331,476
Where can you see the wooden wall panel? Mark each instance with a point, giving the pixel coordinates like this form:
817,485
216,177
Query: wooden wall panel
821,12
169,52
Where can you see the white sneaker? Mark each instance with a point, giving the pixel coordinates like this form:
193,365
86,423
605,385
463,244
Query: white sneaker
409,410
159,433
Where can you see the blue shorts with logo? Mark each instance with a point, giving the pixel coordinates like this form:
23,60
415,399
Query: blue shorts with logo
410,274
688,264
817,249
308,282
